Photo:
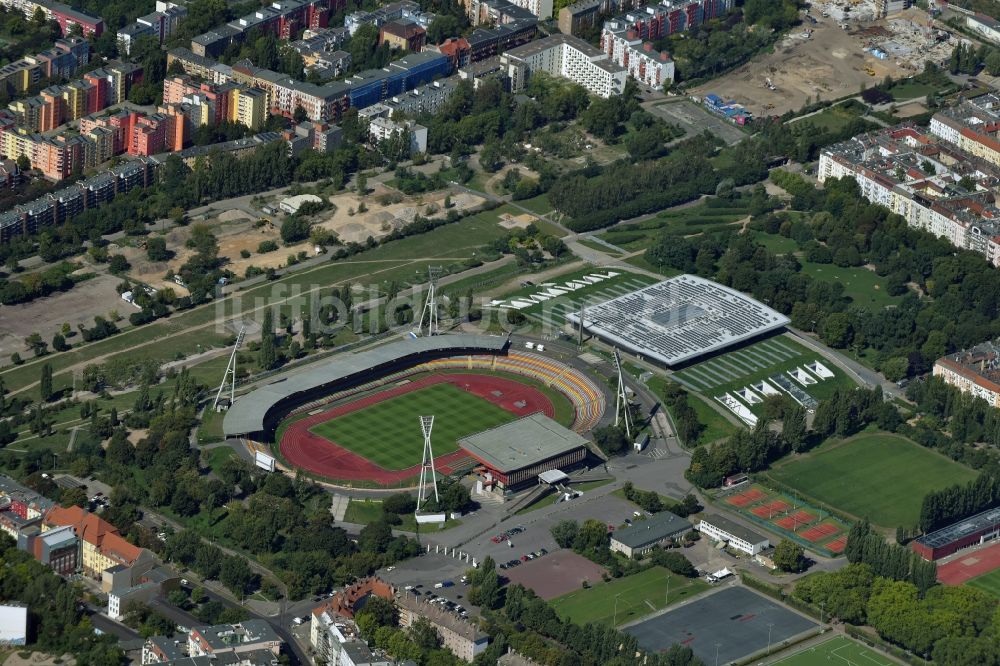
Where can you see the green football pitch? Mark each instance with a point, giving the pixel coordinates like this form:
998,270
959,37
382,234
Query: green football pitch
989,583
839,651
873,475
388,433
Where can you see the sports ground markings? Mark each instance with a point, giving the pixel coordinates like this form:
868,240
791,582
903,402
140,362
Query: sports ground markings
838,650
737,359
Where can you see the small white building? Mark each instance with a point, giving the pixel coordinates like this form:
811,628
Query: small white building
291,205
733,534
985,26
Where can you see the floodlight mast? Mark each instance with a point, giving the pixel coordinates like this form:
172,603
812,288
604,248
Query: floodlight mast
427,474
230,374
621,399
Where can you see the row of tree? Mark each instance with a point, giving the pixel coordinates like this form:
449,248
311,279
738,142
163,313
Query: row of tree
888,560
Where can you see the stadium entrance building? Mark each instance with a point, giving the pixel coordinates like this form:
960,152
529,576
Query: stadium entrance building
679,320
514,455
946,541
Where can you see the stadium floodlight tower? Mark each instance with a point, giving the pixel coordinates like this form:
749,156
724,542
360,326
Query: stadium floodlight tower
430,311
230,374
427,474
621,399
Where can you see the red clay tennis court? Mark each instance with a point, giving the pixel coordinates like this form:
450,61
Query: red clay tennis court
837,545
819,532
796,520
771,509
315,454
746,498
969,566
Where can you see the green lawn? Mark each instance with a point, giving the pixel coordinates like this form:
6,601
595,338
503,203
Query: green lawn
539,205
866,288
600,247
912,90
832,119
554,310
989,583
551,498
734,370
637,595
877,475
217,456
388,433
840,650
363,512
776,243
716,426
711,215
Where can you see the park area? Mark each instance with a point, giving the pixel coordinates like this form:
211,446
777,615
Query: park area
704,217
877,475
626,599
776,363
840,650
811,527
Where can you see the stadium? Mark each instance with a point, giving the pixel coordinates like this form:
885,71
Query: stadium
507,414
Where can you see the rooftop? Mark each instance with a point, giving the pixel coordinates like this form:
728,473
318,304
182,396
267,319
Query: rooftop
657,527
226,635
680,319
522,443
733,528
442,618
981,521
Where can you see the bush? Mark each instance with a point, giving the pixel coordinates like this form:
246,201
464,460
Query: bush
267,246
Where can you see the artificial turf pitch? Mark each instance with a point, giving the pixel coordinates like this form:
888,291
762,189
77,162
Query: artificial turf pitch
839,650
873,475
388,433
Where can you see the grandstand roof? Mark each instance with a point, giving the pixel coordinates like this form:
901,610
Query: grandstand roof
248,413
981,522
680,319
522,443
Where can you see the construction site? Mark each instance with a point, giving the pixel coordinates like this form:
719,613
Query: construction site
840,48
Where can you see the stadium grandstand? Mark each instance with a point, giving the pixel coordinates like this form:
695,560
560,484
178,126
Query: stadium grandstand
679,320
257,413
949,540
513,455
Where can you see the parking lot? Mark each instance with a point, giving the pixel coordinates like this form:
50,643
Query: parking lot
693,119
424,572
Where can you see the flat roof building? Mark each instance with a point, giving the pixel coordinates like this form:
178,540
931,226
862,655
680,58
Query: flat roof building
741,538
680,319
644,535
462,637
515,454
975,371
567,57
948,540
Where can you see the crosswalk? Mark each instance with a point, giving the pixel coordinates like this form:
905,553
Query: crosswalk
656,454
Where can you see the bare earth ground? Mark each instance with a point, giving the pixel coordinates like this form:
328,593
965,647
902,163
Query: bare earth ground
39,659
830,63
235,232
96,296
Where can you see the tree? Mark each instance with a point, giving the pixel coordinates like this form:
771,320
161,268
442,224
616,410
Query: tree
235,573
399,503
38,346
24,163
789,556
267,357
59,343
611,439
156,249
564,532
794,426
118,264
45,384
295,229
76,496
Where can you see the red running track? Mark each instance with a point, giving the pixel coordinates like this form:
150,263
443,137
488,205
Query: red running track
969,565
315,454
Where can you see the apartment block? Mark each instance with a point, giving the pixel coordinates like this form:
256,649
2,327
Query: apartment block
158,25
462,637
924,180
64,15
62,60
284,19
586,14
628,38
403,34
975,371
566,57
102,547
485,43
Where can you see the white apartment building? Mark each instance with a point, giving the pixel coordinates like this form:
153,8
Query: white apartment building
735,535
566,57
975,371
381,128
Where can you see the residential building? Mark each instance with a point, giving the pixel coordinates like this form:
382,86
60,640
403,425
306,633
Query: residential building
567,57
457,50
381,128
250,107
237,148
425,99
925,180
463,638
628,39
20,504
284,19
643,535
402,34
58,549
160,649
64,15
132,584
65,57
102,547
975,371
587,14
403,9
885,7
337,643
498,12
159,25
733,534
485,43
984,26
243,637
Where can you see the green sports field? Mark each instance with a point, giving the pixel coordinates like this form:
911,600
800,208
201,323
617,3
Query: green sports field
388,433
989,583
638,595
876,475
839,651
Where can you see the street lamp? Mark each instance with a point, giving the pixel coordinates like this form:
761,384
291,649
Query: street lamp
769,625
615,621
717,653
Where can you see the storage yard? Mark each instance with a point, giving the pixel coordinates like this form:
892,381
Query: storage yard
822,58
